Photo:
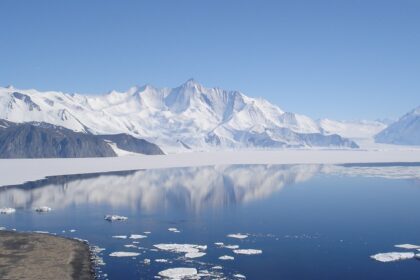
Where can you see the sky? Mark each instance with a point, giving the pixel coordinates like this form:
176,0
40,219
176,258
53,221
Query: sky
341,59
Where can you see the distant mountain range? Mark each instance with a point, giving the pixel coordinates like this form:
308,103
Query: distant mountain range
188,117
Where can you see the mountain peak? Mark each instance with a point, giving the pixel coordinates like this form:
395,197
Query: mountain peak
191,83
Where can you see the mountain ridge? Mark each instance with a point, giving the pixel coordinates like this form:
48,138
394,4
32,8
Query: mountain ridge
198,117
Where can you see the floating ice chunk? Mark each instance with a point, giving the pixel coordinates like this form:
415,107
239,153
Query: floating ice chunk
161,260
232,247
247,252
240,276
417,256
392,256
137,236
72,230
124,254
217,267
146,261
7,210
237,235
130,246
172,229
190,250
407,246
179,273
220,244
194,255
226,258
113,218
43,209
41,231
120,236
147,232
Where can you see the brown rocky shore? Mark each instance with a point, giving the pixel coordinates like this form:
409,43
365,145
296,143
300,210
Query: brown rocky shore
43,256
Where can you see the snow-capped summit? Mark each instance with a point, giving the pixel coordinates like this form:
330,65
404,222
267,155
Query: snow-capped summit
405,131
189,115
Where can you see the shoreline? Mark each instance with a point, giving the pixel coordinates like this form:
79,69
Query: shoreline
18,171
28,255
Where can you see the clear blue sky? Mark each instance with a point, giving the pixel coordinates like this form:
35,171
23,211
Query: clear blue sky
340,59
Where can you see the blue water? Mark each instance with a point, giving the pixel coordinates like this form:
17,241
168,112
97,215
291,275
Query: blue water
311,222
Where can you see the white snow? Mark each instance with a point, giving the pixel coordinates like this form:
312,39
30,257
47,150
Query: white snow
113,218
36,169
407,246
178,273
226,258
7,210
137,236
124,254
392,256
43,209
237,235
247,251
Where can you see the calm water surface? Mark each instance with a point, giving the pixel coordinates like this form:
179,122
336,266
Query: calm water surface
310,221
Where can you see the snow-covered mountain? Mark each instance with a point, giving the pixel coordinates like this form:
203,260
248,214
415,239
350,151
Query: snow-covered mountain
405,131
186,117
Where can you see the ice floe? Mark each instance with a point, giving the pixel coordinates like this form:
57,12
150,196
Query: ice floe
240,276
190,250
172,229
248,251
120,236
72,230
393,256
231,247
161,260
407,246
137,236
146,261
220,244
124,254
179,273
217,267
113,218
43,209
226,258
7,210
237,235
147,232
194,255
130,246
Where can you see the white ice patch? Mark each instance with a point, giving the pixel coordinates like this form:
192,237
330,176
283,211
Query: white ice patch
161,260
392,256
247,251
407,246
237,235
190,250
124,254
226,258
240,276
220,244
120,236
113,218
43,209
137,236
232,247
146,261
72,230
41,231
130,246
172,229
7,210
179,273
147,232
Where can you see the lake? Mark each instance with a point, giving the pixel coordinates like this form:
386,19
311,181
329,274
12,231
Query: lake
301,221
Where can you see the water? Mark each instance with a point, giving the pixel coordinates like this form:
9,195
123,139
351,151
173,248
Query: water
310,221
